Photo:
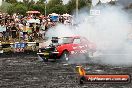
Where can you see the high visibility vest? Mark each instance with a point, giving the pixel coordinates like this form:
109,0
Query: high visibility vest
81,71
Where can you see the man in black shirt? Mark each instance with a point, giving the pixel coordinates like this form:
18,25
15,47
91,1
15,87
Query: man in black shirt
14,29
8,30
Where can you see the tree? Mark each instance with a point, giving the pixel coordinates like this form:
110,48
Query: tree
4,7
11,1
38,7
59,9
112,2
53,3
71,6
26,1
41,1
129,6
11,10
56,6
17,8
20,8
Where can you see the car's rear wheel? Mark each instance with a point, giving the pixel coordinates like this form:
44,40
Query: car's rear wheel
45,59
88,56
65,56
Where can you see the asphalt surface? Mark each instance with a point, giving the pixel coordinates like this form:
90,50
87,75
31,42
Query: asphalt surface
18,71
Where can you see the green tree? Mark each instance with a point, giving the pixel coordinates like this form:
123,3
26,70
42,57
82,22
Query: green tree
71,6
20,8
17,8
129,6
4,7
11,9
11,1
53,3
41,1
38,7
26,1
56,6
112,2
59,9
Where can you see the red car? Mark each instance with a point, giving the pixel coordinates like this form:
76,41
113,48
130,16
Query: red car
66,47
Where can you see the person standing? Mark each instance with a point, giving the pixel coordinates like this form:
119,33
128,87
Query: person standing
14,30
7,31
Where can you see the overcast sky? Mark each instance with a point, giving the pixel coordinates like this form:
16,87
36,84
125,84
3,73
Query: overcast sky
123,2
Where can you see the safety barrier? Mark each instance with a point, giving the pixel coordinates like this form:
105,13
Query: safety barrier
18,46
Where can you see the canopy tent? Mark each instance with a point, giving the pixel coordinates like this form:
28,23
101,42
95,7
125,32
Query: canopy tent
53,14
2,29
33,12
33,21
67,15
68,18
54,17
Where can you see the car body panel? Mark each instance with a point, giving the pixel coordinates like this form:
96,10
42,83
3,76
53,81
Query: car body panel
77,45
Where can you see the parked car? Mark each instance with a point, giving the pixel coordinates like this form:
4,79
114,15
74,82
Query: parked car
66,47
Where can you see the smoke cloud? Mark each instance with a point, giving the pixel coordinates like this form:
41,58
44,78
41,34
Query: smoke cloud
125,2
109,31
65,1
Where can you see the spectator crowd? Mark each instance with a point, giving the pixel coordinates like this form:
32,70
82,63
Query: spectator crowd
31,27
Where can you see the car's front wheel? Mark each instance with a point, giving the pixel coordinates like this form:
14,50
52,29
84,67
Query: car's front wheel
42,58
65,56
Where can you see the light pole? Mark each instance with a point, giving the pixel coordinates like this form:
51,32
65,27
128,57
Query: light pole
45,7
76,8
0,2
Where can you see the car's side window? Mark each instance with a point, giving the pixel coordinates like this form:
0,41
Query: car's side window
77,41
84,40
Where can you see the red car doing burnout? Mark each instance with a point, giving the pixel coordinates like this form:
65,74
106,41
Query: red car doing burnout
66,47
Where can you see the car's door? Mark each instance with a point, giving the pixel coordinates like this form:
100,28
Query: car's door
87,44
76,45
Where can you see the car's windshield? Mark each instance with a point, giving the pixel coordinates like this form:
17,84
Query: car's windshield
65,40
